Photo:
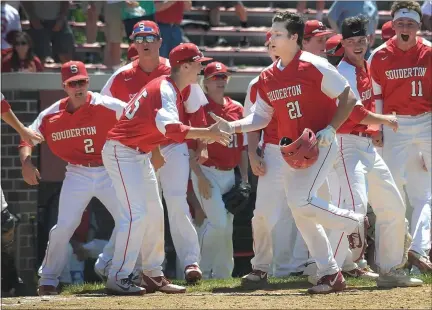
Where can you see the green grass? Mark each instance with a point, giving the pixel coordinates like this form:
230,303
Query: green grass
233,285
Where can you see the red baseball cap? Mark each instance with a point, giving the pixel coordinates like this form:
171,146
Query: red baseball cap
268,36
214,68
334,46
132,52
186,52
73,71
387,31
315,28
145,27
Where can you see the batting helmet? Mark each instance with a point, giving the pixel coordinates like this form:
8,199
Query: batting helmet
303,152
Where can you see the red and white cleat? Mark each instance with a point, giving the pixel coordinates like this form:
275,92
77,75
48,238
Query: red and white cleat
329,284
192,273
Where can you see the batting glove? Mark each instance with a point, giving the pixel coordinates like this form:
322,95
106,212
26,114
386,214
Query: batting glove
326,136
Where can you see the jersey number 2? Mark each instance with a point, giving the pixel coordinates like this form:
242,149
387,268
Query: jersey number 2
88,146
419,92
294,110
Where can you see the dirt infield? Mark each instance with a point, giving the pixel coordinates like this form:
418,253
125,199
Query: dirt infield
355,298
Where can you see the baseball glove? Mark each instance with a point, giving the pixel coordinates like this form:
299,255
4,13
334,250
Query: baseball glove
237,198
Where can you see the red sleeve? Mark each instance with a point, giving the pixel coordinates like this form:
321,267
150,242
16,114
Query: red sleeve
39,66
358,113
176,132
5,106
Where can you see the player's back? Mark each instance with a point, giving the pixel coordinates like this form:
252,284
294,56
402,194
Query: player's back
137,127
403,78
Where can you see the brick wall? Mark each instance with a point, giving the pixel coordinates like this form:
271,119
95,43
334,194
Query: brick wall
22,198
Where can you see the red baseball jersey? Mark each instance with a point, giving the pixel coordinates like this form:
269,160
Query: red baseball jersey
270,132
300,95
128,80
225,157
5,106
151,117
78,137
403,79
360,83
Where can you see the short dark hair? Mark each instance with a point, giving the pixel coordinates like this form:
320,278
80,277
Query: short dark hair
354,24
410,5
294,24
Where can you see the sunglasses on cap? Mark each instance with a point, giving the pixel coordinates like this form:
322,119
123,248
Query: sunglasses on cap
21,43
77,83
220,77
147,39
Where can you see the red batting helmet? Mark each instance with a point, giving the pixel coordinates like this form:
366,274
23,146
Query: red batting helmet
303,152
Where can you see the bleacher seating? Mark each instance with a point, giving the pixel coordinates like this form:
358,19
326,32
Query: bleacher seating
249,60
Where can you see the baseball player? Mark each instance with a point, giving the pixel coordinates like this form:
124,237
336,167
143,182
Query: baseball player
400,70
75,129
359,165
269,191
25,133
314,40
300,89
174,165
215,177
155,114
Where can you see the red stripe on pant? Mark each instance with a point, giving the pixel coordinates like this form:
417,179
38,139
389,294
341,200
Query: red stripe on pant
130,211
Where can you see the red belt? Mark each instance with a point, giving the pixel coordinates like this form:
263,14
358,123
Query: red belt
361,134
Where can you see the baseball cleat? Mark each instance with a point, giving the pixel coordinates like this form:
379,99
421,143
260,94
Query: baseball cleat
192,273
329,284
361,273
46,290
397,278
123,287
161,284
255,278
357,240
421,262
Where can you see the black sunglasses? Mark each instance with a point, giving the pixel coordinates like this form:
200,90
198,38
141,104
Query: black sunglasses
21,43
77,83
147,39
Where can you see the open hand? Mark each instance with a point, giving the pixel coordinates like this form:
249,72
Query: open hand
223,124
219,135
392,122
30,173
30,137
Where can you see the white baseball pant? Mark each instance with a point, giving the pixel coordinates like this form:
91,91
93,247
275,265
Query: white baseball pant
310,212
359,166
415,132
329,191
420,223
274,248
140,223
80,185
215,235
174,177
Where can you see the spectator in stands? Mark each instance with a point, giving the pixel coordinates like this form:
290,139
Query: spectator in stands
169,15
343,9
427,17
214,17
301,8
135,11
114,30
387,31
49,24
315,37
22,57
10,24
